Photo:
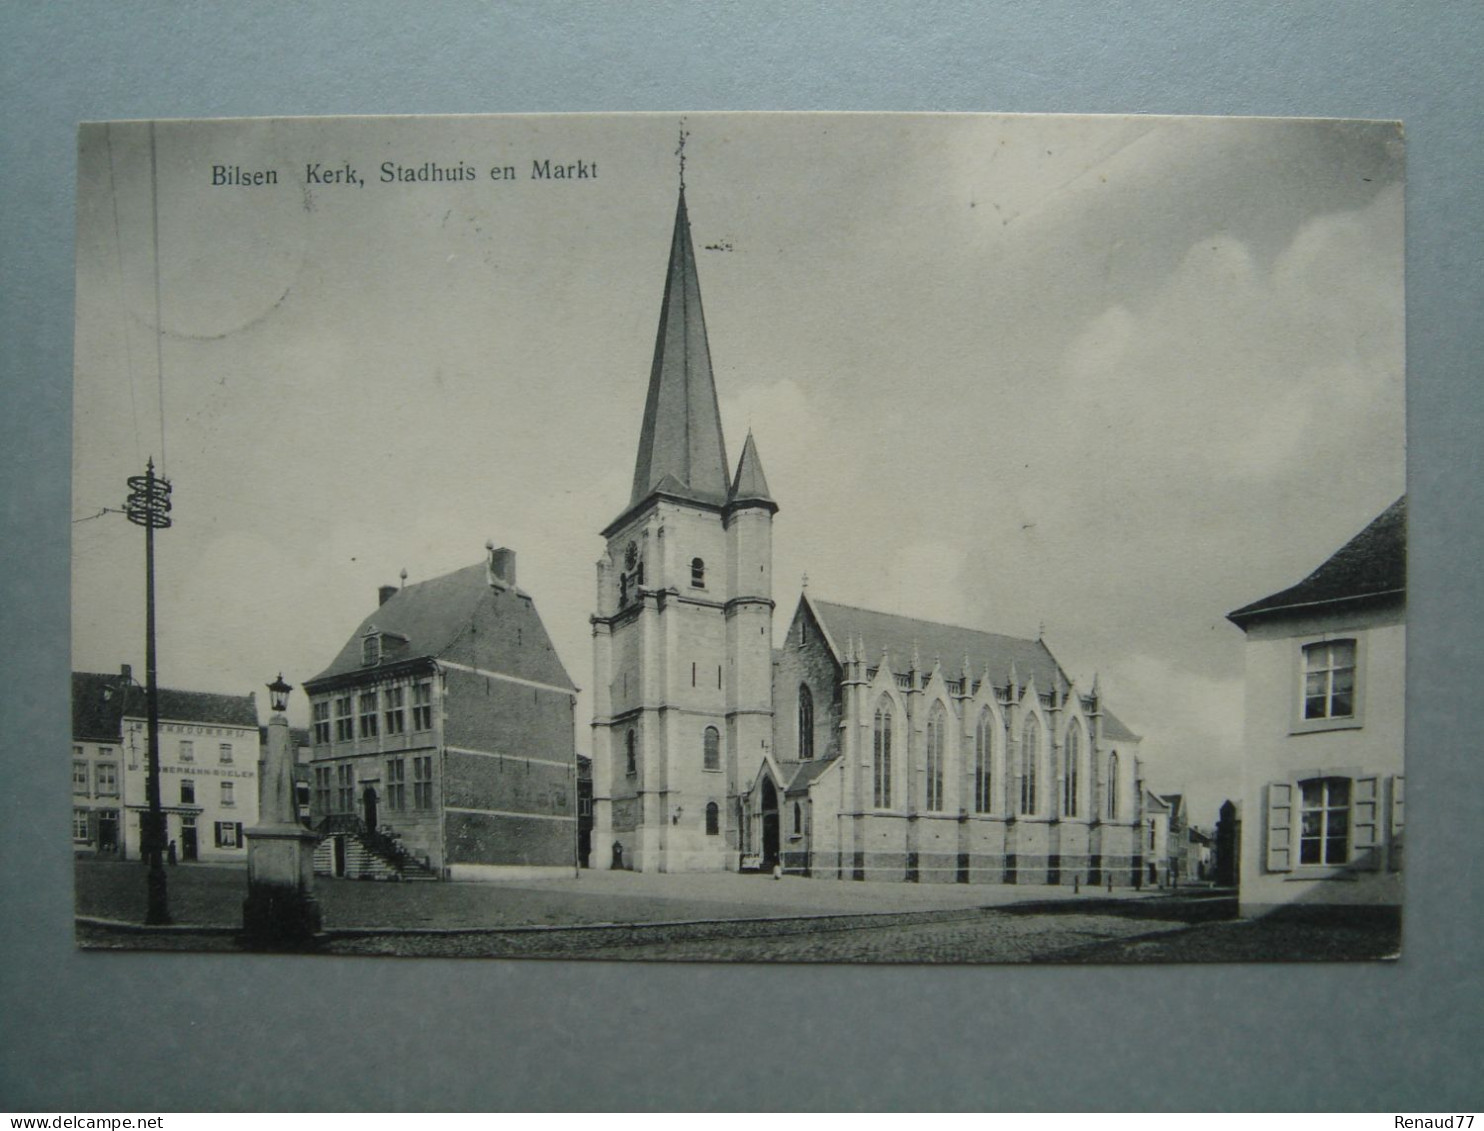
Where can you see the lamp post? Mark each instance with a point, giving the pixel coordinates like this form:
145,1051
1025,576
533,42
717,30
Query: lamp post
280,912
148,506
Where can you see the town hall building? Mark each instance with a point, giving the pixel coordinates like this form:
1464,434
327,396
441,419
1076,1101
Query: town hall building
870,745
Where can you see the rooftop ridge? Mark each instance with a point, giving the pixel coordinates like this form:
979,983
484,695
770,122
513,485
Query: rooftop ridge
930,621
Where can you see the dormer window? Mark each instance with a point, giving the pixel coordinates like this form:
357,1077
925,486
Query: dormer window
370,650
697,573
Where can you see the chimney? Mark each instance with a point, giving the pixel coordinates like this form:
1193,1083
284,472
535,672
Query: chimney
385,594
501,566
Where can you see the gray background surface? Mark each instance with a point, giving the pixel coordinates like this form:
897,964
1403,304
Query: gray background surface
118,1032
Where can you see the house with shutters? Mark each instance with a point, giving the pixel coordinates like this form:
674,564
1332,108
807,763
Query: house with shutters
208,768
1325,698
871,746
442,736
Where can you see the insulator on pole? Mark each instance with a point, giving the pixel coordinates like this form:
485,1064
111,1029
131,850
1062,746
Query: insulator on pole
149,501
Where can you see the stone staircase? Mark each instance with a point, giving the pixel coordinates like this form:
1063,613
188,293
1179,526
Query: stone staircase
368,855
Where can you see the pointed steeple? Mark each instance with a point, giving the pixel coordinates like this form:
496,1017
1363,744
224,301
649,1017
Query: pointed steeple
750,485
680,443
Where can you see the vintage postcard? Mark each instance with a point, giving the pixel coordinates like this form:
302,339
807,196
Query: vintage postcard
741,537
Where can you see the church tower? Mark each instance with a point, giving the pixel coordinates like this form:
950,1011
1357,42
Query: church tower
682,636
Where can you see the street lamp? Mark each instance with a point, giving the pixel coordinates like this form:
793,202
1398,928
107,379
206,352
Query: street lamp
280,912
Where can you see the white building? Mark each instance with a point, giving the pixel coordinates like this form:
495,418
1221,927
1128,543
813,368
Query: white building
1326,691
208,768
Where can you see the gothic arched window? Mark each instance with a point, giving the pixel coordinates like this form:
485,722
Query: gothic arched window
631,753
711,749
806,723
1070,782
937,725
984,763
713,819
1113,786
881,756
697,573
1030,764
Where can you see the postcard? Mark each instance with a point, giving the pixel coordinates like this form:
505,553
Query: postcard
741,537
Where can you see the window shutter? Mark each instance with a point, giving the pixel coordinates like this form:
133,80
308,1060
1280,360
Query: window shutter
1280,827
1398,820
1365,815
218,827
240,842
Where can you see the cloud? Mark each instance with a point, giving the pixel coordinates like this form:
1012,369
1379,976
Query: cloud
1192,725
1237,375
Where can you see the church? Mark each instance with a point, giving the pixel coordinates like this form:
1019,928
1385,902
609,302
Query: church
869,746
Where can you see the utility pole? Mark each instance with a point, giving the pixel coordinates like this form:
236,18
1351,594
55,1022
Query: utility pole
149,506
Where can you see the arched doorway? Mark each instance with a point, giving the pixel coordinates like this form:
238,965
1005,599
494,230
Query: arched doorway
770,824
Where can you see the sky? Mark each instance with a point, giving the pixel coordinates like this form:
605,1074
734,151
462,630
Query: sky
1099,378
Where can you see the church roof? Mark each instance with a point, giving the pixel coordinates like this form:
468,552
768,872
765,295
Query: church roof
681,434
1372,564
949,643
1114,730
750,484
807,772
462,618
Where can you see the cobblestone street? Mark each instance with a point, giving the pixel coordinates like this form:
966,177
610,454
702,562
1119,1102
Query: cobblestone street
728,918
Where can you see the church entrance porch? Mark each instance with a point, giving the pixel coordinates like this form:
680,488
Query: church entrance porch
769,814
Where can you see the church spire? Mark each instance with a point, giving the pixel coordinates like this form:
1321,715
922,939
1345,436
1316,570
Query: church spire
681,450
750,485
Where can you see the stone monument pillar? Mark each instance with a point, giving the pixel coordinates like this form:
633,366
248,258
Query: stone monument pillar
280,911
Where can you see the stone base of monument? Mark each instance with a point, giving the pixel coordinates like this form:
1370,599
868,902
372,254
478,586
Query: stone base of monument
280,911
